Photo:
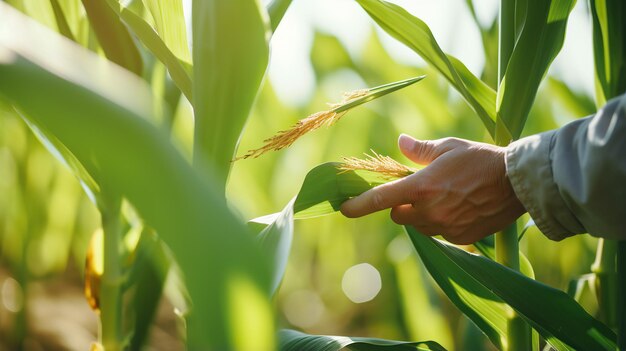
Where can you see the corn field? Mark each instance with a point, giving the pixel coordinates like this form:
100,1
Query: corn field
158,193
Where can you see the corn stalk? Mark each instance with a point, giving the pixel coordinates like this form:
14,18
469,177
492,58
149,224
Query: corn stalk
111,336
609,33
506,242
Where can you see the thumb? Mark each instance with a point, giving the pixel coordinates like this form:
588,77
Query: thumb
420,151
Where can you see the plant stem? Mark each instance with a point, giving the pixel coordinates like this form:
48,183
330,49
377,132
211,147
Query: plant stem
519,336
621,293
507,247
519,333
111,282
604,269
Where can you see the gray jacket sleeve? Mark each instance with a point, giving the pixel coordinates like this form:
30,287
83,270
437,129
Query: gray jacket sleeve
573,180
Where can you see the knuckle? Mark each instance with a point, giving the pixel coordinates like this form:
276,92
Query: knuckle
455,141
452,142
414,192
422,190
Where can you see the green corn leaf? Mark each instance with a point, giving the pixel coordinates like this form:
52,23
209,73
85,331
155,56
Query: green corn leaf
528,225
476,301
41,11
170,24
113,36
179,70
415,34
324,189
560,10
489,38
488,250
57,149
276,11
276,240
62,24
557,317
538,44
583,290
101,114
297,341
609,48
230,58
376,92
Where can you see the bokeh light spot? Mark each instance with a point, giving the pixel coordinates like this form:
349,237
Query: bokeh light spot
361,283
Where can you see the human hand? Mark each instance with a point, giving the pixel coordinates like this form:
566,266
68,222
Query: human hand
463,194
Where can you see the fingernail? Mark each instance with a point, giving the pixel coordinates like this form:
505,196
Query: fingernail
406,141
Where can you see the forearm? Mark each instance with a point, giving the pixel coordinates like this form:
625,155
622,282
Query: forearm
573,180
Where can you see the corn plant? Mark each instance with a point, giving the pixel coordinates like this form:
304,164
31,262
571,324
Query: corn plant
224,295
99,117
99,92
609,31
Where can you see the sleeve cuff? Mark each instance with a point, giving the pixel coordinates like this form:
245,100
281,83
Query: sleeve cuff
529,169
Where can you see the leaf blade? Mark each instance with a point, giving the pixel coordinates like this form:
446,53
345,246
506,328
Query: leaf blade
552,312
608,25
539,43
415,34
179,70
230,58
170,24
276,10
296,341
113,36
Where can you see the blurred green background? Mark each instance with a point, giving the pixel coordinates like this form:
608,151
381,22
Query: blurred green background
345,277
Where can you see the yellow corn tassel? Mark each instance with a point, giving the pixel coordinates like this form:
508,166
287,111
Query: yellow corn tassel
285,138
386,166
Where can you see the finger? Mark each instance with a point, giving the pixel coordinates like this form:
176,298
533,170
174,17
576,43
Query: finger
404,214
424,151
409,215
379,198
